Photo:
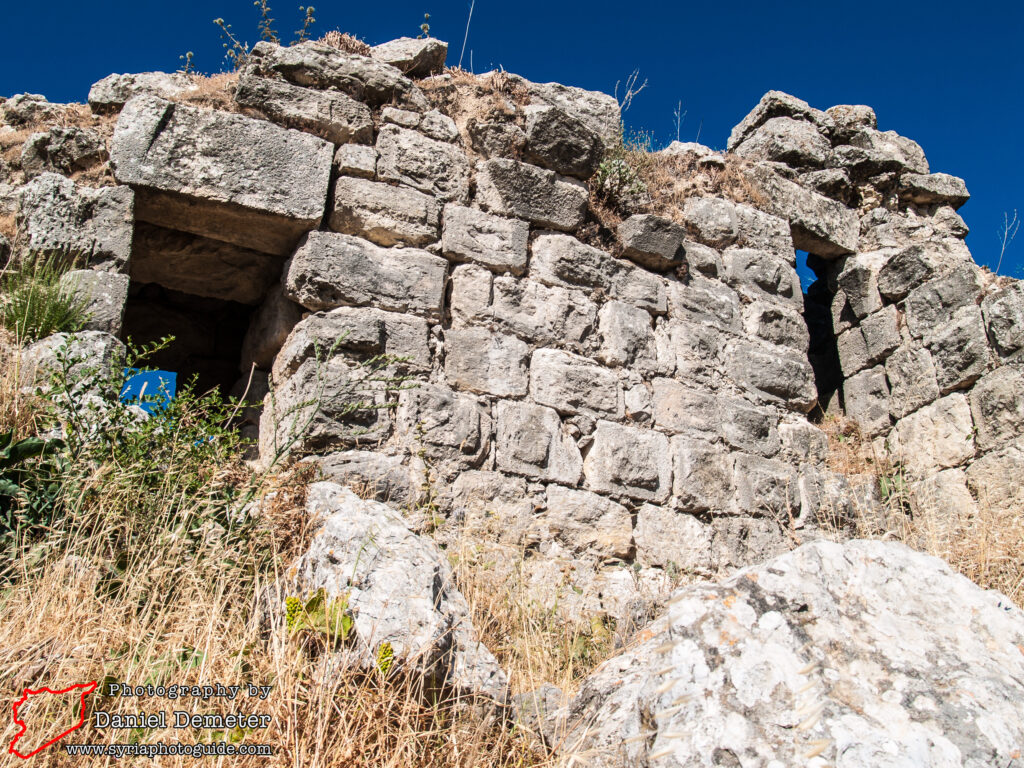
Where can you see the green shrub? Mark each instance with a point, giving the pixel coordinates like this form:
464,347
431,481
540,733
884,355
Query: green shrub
618,181
35,303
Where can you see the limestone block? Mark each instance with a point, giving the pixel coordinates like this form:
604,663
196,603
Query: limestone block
268,329
471,294
496,138
532,442
357,160
201,266
719,223
859,282
848,118
513,188
80,225
384,214
934,437
113,91
627,338
328,114
702,475
542,314
103,295
572,384
220,175
560,142
1004,316
704,301
803,442
934,188
994,479
749,428
91,356
890,148
62,150
912,383
653,242
944,498
997,403
906,270
412,56
866,400
629,461
778,104
494,504
935,302
776,324
387,479
881,333
482,238
453,429
598,111
853,351
484,362
960,349
436,168
766,487
797,143
774,372
703,260
762,274
679,407
586,523
330,270
668,539
439,126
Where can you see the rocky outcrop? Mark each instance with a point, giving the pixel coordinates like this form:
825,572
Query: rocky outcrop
849,655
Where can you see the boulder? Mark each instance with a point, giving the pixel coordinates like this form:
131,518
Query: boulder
62,150
201,266
332,270
934,189
399,590
778,104
328,114
384,214
220,175
495,242
103,295
560,142
523,191
82,226
412,56
782,665
114,91
436,168
797,143
653,242
849,118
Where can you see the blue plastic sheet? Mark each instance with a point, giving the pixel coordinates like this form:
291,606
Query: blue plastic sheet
152,391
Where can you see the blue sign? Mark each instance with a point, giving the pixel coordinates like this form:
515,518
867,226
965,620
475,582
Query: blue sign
150,390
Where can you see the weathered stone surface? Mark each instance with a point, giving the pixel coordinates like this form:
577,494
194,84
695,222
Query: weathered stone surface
220,175
512,188
1004,316
803,442
436,168
113,91
830,182
773,371
103,294
438,125
887,149
960,349
496,138
672,540
720,223
994,479
934,303
708,302
739,669
357,160
316,65
766,487
935,188
796,143
598,111
762,274
201,266
702,259
560,142
912,383
532,442
853,351
399,589
484,362
866,400
776,324
413,56
630,462
626,337
679,407
573,384
386,479
778,104
653,242
542,314
92,357
702,475
62,150
494,504
749,428
329,114
268,329
585,523
848,118
997,403
384,214
80,225
451,428
330,270
493,241
859,282
937,436
881,333
905,271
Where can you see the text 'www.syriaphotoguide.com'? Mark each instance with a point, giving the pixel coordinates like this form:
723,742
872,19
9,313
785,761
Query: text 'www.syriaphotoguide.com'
161,750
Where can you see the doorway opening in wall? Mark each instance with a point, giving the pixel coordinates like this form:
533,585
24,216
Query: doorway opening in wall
823,351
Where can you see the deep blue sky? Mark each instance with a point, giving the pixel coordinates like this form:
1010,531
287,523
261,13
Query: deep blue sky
949,75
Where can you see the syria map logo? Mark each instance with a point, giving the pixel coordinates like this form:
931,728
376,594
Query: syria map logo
84,690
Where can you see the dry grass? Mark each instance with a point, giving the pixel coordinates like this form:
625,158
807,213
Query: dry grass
212,92
345,42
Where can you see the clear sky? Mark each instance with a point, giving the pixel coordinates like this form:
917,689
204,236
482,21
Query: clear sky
949,75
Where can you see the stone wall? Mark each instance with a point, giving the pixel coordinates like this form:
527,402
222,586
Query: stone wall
624,403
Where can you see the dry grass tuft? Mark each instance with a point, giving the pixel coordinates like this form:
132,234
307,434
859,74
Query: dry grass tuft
343,41
212,92
673,179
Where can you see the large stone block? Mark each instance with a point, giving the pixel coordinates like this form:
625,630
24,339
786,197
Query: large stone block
331,270
269,328
102,294
113,91
866,401
720,223
492,241
328,114
359,160
693,351
994,479
702,477
960,349
912,382
537,313
797,143
749,428
532,442
766,487
484,362
561,142
881,333
1004,315
704,301
630,462
776,104
653,242
316,65
997,403
627,338
944,497
62,150
453,429
859,282
907,269
937,436
852,350
383,213
773,371
436,168
413,56
220,175
201,266
759,273
681,408
668,539
934,188
573,384
79,225
512,188
585,523
934,303
890,149
776,324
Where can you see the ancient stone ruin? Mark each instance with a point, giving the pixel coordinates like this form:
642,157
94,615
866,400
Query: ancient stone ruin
622,381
